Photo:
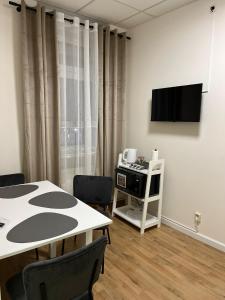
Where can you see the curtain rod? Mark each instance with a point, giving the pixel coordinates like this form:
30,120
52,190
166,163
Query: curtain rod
18,8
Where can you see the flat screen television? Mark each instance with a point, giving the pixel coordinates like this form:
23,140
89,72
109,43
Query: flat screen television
177,104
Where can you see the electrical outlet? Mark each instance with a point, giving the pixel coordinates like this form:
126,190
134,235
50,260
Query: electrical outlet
197,218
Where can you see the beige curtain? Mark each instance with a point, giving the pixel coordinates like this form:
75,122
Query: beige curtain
112,94
41,145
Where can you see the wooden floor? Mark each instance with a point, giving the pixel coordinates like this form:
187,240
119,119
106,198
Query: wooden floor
162,264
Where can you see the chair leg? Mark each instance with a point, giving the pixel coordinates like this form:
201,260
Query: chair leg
37,254
91,295
103,231
63,247
103,265
109,240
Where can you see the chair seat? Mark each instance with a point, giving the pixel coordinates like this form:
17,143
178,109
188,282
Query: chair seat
15,287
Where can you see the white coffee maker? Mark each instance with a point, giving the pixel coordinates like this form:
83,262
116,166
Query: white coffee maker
129,155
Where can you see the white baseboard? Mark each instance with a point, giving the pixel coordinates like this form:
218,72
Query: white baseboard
193,233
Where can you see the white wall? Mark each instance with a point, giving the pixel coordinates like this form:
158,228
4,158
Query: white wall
10,91
175,50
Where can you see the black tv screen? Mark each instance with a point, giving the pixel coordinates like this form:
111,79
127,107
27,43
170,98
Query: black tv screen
177,104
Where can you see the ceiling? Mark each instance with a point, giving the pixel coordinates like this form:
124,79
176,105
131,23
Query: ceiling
122,13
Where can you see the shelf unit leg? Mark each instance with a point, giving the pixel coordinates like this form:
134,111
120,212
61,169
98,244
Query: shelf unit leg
114,200
159,215
144,214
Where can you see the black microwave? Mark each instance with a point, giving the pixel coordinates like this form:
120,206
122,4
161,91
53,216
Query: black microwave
134,182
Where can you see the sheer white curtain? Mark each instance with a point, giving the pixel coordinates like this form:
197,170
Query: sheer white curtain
77,57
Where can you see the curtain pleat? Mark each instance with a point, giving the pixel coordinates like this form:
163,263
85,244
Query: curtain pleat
112,95
42,86
115,100
106,101
87,99
123,87
26,92
41,143
100,146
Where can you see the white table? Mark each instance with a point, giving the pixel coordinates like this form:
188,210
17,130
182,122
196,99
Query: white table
18,209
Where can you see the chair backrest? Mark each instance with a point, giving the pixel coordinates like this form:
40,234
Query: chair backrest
68,277
93,189
11,179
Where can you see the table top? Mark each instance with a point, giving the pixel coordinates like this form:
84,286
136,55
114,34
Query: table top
15,210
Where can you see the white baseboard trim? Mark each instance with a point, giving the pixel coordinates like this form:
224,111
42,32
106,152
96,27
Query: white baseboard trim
193,233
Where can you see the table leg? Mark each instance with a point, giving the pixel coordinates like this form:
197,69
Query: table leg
0,293
114,200
52,250
89,237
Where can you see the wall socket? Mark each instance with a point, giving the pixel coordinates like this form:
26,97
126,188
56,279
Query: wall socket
197,218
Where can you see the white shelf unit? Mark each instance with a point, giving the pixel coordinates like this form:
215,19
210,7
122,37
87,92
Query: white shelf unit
142,218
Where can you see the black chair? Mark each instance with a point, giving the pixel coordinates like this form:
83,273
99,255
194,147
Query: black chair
67,277
94,190
14,179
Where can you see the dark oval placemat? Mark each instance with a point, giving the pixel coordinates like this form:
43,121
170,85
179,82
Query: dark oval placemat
41,227
54,200
16,191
